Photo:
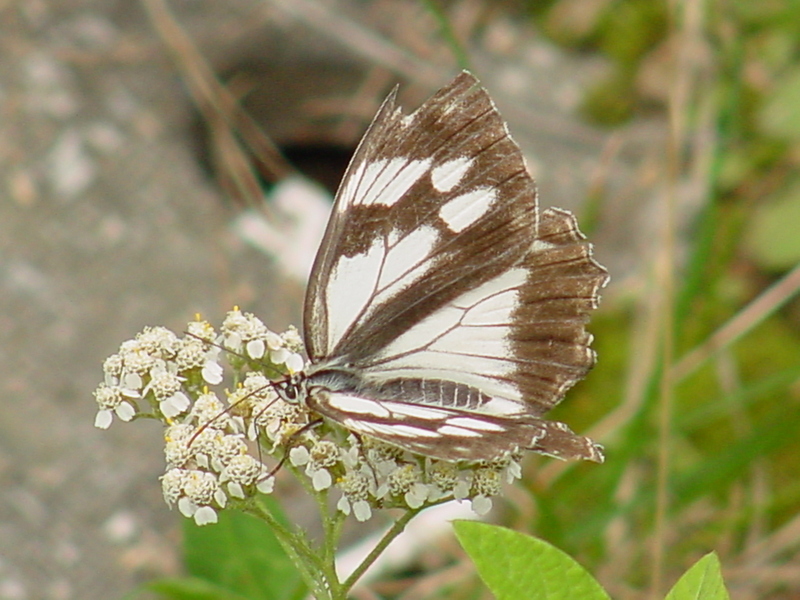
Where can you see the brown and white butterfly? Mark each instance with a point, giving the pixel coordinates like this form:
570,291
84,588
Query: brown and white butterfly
445,313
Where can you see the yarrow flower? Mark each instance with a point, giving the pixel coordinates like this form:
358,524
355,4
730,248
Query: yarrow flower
215,440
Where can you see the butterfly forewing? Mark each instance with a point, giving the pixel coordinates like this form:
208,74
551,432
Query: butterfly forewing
444,314
432,204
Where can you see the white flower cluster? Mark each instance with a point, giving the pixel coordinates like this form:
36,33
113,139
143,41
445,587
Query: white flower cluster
213,448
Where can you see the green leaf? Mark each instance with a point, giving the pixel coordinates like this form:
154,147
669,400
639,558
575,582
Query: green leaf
240,554
514,565
702,582
190,588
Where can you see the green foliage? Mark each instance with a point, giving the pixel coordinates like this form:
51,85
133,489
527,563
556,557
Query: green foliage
514,566
774,234
702,582
779,116
236,559
730,439
239,552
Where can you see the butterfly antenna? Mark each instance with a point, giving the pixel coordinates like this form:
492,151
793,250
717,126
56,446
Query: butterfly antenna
266,366
289,444
228,409
367,461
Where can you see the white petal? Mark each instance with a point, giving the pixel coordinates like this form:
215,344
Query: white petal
343,505
132,381
103,419
513,471
233,341
417,495
187,507
172,407
212,373
350,456
413,501
279,356
461,490
274,341
220,497
205,515
256,349
481,505
265,486
298,456
235,490
125,411
294,363
362,510
321,480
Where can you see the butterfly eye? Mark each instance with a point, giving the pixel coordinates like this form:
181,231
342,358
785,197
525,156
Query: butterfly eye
289,390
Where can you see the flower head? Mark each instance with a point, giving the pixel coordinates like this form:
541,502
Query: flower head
215,442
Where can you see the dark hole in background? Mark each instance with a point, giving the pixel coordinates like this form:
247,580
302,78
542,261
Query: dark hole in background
277,95
325,164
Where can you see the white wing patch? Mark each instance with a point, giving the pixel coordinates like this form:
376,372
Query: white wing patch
389,430
541,246
502,407
432,422
467,341
447,176
406,262
464,210
392,420
458,431
400,411
478,424
371,278
358,405
382,182
351,285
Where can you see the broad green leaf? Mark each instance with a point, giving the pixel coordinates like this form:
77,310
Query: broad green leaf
190,588
514,565
701,582
240,554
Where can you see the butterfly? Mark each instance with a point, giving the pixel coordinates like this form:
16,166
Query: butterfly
445,313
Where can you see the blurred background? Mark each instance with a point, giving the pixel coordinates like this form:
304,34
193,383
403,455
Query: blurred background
136,139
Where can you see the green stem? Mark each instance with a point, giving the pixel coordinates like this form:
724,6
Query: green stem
299,552
333,531
329,544
395,530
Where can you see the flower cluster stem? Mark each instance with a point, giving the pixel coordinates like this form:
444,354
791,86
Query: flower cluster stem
318,568
299,552
396,529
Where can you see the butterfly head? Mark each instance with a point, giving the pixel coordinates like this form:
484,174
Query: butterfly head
291,389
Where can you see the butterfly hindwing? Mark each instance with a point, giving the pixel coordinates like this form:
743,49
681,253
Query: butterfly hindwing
435,419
